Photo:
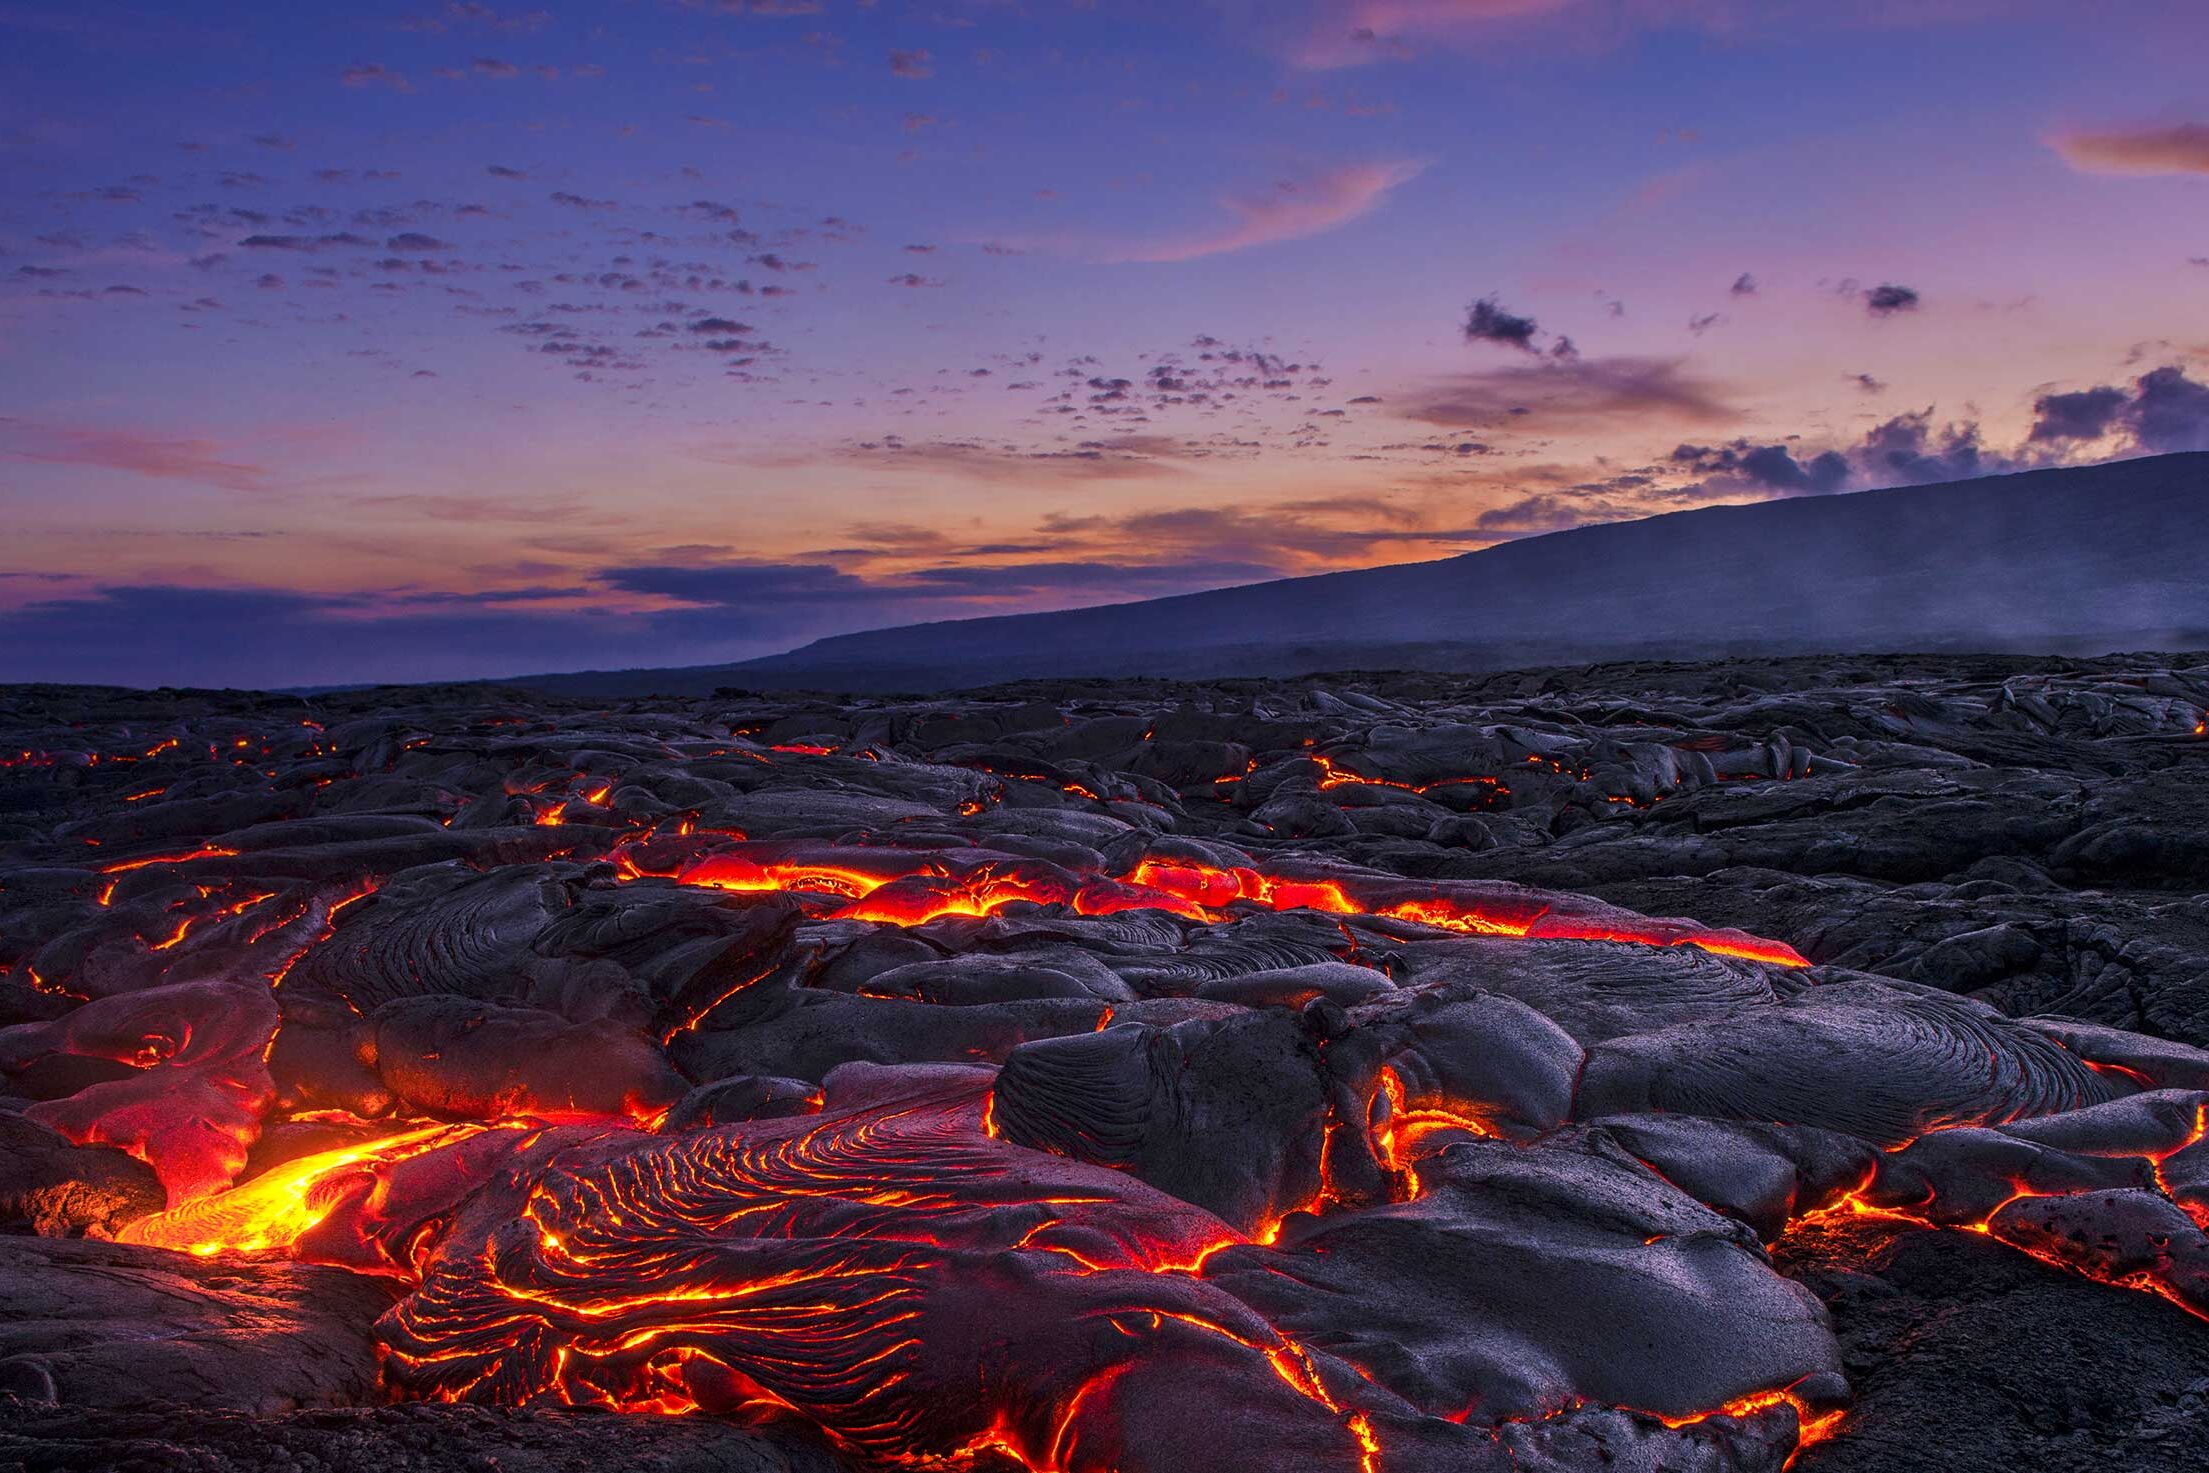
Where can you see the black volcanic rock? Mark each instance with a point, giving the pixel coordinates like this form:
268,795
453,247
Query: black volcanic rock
1649,1066
108,1327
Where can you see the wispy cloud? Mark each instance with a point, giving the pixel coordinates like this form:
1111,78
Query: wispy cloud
2175,148
1292,209
1581,393
160,456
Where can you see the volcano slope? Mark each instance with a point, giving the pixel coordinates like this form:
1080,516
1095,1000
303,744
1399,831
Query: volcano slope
1693,1067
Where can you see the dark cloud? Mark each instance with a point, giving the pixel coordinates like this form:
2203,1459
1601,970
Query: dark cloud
1773,469
738,584
1887,299
305,242
2170,412
1744,285
1867,383
2163,411
915,64
1908,451
1488,322
914,278
501,171
2087,414
277,142
579,202
415,240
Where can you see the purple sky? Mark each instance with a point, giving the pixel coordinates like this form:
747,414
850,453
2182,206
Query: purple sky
416,341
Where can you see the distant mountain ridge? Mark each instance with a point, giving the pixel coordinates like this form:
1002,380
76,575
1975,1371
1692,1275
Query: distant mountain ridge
2073,560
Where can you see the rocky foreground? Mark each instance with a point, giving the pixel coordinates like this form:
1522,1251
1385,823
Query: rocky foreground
1687,1067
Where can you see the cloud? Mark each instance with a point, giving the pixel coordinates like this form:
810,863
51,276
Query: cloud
1292,209
1744,285
913,64
2178,148
374,74
1887,299
1488,322
2160,412
913,278
415,240
738,584
1577,394
161,457
1772,469
308,243
2163,411
1249,541
2170,412
1908,451
2085,415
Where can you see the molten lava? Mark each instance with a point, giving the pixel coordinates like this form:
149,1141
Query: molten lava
912,887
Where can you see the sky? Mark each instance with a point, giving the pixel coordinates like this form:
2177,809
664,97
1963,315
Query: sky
420,340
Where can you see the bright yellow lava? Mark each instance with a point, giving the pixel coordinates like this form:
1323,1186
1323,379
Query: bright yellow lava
270,1212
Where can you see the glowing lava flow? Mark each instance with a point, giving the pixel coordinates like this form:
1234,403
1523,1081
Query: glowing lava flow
855,1268
913,887
2116,1215
275,1209
1332,776
885,1270
205,851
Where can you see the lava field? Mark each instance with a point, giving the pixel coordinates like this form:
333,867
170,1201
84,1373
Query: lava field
1733,1066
